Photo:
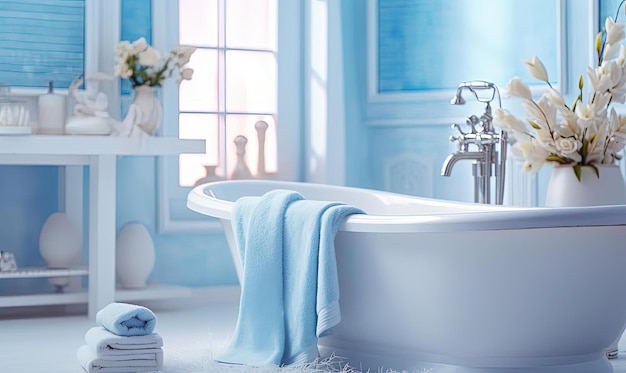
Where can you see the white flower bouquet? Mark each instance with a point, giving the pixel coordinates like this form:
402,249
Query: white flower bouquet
143,65
585,134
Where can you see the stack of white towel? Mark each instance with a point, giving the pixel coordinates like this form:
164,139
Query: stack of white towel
123,341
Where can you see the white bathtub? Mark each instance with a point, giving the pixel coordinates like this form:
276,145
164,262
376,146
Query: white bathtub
440,286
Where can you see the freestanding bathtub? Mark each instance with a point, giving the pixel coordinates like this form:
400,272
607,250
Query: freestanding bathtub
438,286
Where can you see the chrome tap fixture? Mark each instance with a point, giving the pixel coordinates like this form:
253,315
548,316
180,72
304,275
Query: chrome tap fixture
488,159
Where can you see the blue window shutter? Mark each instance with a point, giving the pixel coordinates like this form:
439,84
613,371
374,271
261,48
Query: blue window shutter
136,23
41,40
435,45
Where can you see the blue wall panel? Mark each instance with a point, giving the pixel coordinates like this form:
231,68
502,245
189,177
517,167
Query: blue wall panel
136,23
432,45
28,195
41,40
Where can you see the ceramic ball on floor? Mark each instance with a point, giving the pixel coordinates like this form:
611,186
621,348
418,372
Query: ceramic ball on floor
134,256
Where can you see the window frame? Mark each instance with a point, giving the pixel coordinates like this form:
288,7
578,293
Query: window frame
373,96
289,109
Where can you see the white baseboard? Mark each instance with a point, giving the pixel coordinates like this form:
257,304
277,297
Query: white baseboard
191,297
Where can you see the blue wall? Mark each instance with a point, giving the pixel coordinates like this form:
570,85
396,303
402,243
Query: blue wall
28,195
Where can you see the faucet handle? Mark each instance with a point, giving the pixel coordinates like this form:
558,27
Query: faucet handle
456,127
461,140
472,121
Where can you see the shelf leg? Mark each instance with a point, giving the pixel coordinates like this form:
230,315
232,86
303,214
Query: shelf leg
102,201
71,198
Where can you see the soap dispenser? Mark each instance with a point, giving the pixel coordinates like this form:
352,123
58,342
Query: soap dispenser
51,112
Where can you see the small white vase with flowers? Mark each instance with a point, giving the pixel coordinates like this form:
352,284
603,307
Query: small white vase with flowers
147,69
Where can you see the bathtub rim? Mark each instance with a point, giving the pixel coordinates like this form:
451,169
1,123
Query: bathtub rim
491,217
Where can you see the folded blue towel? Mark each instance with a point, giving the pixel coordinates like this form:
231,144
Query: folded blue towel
290,291
126,319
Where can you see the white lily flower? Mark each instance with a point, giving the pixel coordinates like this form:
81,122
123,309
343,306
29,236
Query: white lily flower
548,110
507,121
143,65
149,57
610,51
599,81
139,45
184,53
555,97
614,31
621,58
534,157
516,88
537,69
185,74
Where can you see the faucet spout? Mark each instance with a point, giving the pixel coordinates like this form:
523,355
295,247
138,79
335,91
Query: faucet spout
452,159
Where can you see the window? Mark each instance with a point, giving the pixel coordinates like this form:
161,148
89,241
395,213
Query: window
428,46
232,101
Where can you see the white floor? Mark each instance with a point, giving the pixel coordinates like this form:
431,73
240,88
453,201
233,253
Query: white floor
190,335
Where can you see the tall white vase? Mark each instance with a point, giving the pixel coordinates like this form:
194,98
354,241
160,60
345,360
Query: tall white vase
607,188
59,245
564,189
150,112
134,256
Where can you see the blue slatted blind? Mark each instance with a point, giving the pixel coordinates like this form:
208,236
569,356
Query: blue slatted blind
136,22
41,40
432,45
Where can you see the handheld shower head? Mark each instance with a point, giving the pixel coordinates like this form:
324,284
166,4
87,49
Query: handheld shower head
458,97
474,86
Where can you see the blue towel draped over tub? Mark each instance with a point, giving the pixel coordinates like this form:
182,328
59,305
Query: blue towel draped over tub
290,291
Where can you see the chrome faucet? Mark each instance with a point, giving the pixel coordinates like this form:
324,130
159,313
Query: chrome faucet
488,161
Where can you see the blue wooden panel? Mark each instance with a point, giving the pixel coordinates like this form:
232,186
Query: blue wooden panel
136,22
432,45
41,40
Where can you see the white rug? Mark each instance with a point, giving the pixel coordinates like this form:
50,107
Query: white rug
198,358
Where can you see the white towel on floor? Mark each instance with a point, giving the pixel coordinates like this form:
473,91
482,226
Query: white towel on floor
104,343
92,364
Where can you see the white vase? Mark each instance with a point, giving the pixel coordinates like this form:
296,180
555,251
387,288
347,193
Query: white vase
134,256
59,245
59,242
609,188
564,189
145,114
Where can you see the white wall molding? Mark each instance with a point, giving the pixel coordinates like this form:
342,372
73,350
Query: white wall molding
324,108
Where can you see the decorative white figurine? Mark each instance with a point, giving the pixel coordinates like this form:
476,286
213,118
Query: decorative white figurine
7,261
90,113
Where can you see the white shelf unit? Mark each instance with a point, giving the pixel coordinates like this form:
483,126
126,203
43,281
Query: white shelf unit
43,272
99,154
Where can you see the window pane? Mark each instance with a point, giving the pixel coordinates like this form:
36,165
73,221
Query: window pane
198,22
200,93
251,24
258,151
429,45
194,167
250,81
